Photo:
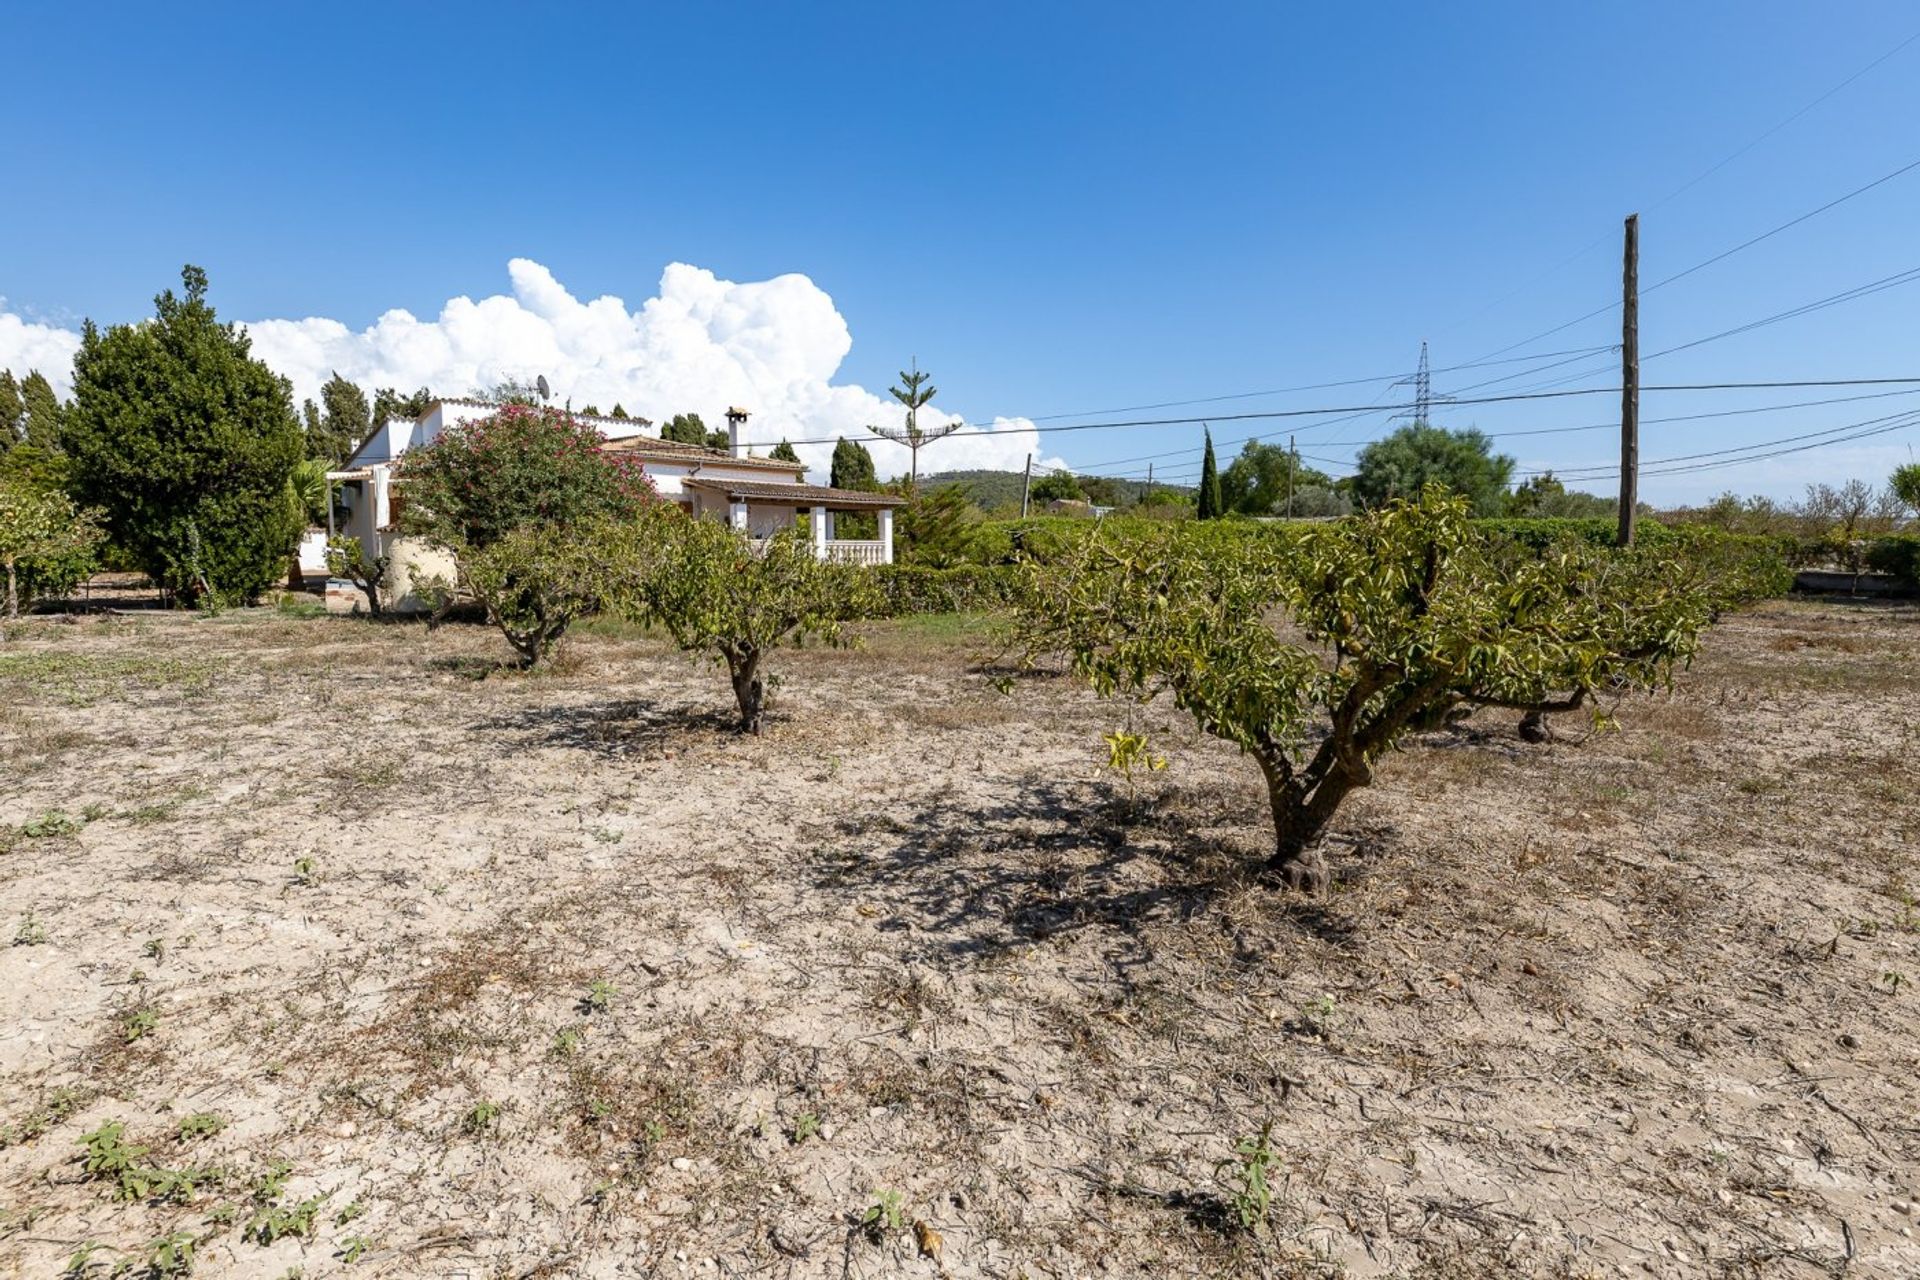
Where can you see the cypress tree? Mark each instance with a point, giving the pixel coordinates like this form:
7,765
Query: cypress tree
852,466
189,444
45,413
784,452
12,409
1211,507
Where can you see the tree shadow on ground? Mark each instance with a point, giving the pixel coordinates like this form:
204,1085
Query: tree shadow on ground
1053,857
614,730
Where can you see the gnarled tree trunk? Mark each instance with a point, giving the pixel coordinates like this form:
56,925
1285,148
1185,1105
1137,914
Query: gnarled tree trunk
749,688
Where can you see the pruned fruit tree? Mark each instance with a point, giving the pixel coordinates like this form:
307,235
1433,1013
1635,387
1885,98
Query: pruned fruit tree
1316,649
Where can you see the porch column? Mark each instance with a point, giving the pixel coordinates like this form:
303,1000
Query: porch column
737,515
818,524
886,535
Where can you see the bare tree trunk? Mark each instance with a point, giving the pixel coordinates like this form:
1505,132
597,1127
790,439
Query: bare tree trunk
749,689
13,592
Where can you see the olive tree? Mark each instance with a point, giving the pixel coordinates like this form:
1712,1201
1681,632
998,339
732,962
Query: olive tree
716,593
1317,650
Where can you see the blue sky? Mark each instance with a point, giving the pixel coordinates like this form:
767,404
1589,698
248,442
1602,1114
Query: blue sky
1056,208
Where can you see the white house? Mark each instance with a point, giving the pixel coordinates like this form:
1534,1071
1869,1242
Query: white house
758,496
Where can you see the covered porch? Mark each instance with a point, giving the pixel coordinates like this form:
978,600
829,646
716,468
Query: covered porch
761,509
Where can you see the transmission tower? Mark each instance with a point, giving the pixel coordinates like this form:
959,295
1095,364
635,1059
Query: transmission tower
1422,382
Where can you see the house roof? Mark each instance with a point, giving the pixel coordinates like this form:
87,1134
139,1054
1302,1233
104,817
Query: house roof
644,447
800,495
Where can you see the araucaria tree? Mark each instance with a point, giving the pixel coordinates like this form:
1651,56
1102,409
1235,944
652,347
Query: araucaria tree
532,472
914,395
1316,650
719,595
186,442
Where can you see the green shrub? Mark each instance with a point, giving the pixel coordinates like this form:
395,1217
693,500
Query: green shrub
1898,554
907,589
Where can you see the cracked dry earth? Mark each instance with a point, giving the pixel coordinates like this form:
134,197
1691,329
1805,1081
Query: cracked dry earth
400,965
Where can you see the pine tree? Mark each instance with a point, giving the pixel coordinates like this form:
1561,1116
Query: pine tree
619,410
784,452
45,413
1210,507
389,404
685,428
852,467
12,410
349,420
188,442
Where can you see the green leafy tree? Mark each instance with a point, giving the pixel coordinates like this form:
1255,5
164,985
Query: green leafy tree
784,452
852,467
914,395
1316,653
535,583
524,481
1211,504
389,404
347,558
936,527
12,410
1056,485
1403,464
186,442
723,597
1259,481
523,465
44,539
619,410
45,415
348,420
1545,497
1905,483
685,428
592,411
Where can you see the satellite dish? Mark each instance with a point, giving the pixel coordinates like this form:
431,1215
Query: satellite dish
546,392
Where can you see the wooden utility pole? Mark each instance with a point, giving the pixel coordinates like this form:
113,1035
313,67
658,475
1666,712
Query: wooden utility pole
1293,464
1026,487
1630,381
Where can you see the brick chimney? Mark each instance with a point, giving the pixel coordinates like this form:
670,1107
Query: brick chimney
736,423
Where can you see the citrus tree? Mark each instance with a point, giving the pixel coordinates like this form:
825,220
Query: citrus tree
42,529
1316,650
720,595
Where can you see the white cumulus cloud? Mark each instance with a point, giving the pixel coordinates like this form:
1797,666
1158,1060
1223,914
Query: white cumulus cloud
26,346
698,345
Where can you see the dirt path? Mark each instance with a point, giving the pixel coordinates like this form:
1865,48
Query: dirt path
555,976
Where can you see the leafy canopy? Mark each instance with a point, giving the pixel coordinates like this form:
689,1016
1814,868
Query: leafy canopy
1256,482
186,442
524,465
1405,463
720,595
44,539
1316,649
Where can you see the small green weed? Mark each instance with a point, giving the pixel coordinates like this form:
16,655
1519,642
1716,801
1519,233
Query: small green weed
140,1023
170,1256
1246,1172
31,932
805,1125
51,825
480,1118
306,872
599,997
202,1124
885,1214
353,1248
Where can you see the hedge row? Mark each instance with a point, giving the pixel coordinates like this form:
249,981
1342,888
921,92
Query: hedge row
1898,554
1742,567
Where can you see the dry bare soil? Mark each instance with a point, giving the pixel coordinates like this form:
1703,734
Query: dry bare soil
402,965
